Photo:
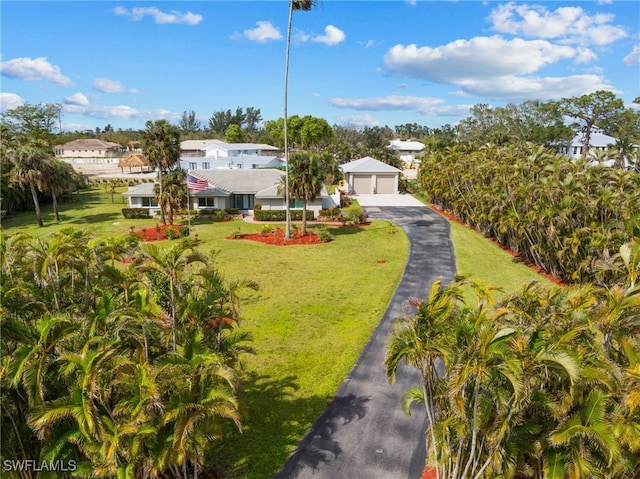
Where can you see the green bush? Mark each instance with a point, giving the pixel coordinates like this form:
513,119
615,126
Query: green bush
184,231
267,229
135,213
170,233
324,235
281,215
232,211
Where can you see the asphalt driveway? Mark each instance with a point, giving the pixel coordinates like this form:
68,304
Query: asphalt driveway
364,433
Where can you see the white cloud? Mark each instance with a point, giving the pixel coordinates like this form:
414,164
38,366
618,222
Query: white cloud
9,101
424,105
413,3
479,57
367,44
76,99
33,69
106,85
569,24
633,58
332,36
542,88
160,17
358,121
300,36
263,32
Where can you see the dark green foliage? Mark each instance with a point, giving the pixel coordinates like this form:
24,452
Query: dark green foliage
280,215
134,213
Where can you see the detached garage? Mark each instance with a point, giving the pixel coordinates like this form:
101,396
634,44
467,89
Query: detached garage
368,176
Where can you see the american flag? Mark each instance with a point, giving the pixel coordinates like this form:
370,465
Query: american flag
197,184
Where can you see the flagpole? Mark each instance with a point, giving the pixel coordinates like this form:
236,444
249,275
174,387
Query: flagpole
188,204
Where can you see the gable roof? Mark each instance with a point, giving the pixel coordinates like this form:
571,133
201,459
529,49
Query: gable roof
223,145
196,144
368,165
596,139
402,145
89,144
250,181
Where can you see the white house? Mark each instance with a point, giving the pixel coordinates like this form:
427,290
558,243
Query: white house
370,176
89,148
598,141
234,188
407,150
222,149
233,162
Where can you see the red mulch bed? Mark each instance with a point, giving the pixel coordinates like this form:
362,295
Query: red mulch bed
537,269
158,233
429,473
277,238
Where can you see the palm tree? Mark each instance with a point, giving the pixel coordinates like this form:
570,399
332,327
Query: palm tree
171,263
304,5
58,177
27,170
305,180
160,143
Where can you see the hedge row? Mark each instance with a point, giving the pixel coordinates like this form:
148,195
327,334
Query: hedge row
135,213
281,215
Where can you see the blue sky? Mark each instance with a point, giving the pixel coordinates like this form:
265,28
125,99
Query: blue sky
352,62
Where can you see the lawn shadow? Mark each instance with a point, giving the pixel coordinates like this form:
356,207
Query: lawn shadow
97,218
276,423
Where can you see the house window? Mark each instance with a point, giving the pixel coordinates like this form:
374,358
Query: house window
242,202
193,166
575,150
205,165
296,204
149,202
208,202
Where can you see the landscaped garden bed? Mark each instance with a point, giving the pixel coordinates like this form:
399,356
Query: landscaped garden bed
161,232
276,237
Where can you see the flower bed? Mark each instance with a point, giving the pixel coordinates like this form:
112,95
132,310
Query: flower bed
277,238
158,233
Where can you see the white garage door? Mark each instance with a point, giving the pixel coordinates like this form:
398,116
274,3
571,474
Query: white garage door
385,185
362,185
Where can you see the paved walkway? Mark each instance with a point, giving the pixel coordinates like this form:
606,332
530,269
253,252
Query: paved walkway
364,433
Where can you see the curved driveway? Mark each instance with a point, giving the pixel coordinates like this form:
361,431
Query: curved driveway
364,433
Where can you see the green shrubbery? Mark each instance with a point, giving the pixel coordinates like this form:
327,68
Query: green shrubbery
135,213
281,215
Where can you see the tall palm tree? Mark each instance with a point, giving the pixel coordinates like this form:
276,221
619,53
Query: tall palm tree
27,170
304,5
58,178
160,143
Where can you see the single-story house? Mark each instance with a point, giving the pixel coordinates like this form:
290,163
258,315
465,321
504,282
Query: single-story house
237,162
88,148
234,188
367,176
222,149
598,142
407,150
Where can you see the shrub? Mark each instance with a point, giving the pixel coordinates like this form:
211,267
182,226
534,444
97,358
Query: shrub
267,229
232,211
170,233
257,207
324,235
184,231
135,213
281,215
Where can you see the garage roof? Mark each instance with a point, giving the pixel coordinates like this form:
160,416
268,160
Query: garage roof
368,165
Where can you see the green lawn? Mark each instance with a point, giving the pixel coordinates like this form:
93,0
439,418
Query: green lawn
316,308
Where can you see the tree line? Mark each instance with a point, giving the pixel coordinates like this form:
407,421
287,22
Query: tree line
119,359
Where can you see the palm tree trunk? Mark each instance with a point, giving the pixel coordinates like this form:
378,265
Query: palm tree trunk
161,182
287,232
36,204
54,199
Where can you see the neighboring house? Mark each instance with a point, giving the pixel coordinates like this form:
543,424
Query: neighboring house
407,150
370,176
240,189
598,141
89,148
222,149
237,162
